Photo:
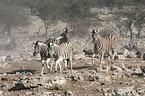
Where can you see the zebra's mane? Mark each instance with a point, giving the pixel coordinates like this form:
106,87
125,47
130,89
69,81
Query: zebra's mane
40,43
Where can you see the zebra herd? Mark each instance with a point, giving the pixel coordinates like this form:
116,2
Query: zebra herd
59,49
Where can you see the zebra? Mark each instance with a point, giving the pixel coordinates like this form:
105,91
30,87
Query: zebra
51,40
60,53
64,36
103,45
42,48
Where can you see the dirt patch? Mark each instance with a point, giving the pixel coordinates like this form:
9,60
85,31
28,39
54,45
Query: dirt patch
85,80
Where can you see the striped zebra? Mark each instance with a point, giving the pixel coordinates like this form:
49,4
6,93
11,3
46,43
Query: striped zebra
63,38
51,40
103,45
42,48
61,53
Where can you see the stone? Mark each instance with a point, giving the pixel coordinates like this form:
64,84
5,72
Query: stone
121,57
68,93
129,54
123,90
35,81
1,92
104,77
3,58
116,68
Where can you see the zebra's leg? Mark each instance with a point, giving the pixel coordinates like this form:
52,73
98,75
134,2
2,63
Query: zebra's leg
113,53
48,60
42,61
58,62
93,59
52,64
101,59
71,63
110,57
65,61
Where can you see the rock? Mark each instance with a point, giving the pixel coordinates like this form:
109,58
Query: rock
52,82
3,58
142,68
121,57
116,68
10,58
116,58
81,77
104,77
139,54
1,92
140,90
68,93
74,78
48,81
125,91
122,66
129,54
91,78
137,70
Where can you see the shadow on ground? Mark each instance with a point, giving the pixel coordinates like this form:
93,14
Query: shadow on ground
22,71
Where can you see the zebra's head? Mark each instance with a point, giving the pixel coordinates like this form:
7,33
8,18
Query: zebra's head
95,35
67,30
37,47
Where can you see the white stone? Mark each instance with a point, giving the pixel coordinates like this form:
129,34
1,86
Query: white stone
2,58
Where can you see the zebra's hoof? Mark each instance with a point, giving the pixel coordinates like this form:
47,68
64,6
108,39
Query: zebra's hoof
41,74
64,72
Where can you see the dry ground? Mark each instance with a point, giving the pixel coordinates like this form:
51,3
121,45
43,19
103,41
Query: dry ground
78,87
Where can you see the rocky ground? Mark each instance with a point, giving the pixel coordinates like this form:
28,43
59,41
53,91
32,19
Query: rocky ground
20,71
20,74
23,79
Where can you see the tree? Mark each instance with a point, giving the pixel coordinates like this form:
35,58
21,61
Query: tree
12,15
135,19
74,12
46,10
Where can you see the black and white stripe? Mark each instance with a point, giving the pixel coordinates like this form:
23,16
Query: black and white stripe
42,48
61,53
63,38
103,45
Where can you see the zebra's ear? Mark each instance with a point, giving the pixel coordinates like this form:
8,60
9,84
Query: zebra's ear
97,33
33,43
70,29
93,31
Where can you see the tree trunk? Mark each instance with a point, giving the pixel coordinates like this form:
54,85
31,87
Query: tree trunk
39,30
132,34
8,28
138,34
139,28
46,27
